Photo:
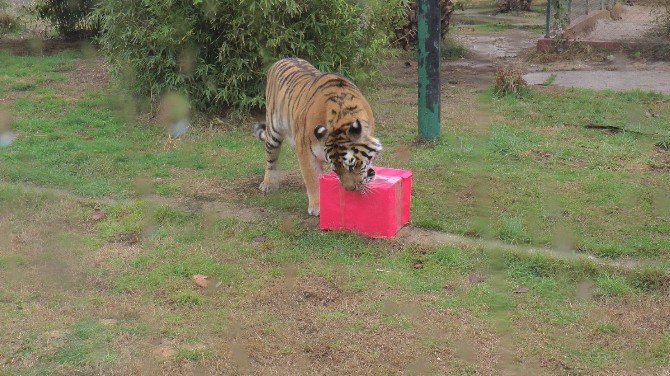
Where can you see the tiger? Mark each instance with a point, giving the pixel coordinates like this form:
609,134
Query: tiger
326,118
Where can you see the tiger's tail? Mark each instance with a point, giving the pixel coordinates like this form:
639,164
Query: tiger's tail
260,131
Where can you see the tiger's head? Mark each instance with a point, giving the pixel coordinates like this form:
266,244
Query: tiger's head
350,151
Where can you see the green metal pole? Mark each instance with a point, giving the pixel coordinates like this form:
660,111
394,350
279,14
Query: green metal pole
428,32
547,30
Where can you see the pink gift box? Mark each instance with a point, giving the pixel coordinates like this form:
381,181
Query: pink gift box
378,212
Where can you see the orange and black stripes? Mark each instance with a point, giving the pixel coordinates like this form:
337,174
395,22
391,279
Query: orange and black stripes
299,100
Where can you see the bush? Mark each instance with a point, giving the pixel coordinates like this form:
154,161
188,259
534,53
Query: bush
8,23
509,80
216,52
405,22
69,17
451,49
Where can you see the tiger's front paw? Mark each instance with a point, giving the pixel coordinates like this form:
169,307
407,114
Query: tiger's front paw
267,187
313,211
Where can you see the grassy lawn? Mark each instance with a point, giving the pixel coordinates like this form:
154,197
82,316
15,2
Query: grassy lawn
115,295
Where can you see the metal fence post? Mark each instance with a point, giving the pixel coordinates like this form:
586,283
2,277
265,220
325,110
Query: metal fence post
428,32
546,29
588,6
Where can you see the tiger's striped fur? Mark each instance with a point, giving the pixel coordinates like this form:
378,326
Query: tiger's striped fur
326,118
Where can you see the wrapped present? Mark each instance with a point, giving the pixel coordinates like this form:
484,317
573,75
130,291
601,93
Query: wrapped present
378,212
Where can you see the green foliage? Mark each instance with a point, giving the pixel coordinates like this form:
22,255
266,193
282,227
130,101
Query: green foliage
69,17
612,285
217,52
8,22
452,49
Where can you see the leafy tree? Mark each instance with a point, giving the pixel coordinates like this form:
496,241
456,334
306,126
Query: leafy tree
69,17
216,52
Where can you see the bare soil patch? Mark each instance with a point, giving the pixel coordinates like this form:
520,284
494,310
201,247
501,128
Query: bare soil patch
635,23
87,74
38,46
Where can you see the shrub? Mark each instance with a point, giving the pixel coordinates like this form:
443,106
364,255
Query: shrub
451,49
69,17
8,22
216,52
509,80
405,22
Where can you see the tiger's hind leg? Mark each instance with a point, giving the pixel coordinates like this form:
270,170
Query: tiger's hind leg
273,141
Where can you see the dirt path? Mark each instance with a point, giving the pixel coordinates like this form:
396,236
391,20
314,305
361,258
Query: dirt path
636,21
606,80
494,46
616,72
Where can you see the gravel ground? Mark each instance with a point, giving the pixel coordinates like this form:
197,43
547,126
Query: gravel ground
636,22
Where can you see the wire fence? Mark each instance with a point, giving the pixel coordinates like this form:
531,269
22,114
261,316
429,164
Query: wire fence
642,21
580,8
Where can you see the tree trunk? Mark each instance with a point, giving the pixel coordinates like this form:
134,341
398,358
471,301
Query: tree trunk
560,15
406,35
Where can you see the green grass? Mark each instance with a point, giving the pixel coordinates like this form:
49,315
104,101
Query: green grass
87,342
536,168
550,80
497,27
451,49
524,170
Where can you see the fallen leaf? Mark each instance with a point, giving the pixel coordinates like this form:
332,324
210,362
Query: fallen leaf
97,214
475,278
520,290
201,280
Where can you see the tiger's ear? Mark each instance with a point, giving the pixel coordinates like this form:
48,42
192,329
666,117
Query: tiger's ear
355,129
319,131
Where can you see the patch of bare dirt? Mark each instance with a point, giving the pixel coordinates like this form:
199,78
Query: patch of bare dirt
661,161
318,291
492,46
633,23
87,74
38,46
296,325
13,95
